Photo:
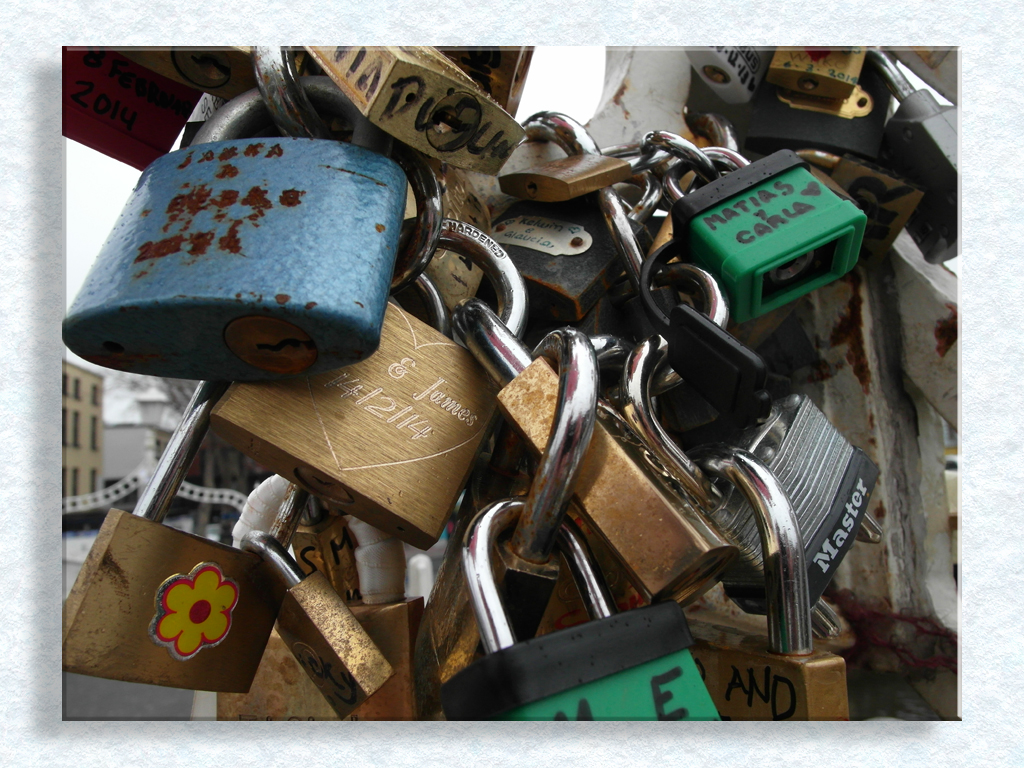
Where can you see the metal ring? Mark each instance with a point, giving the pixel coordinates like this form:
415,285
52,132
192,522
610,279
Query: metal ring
686,151
575,415
275,555
563,130
437,312
714,127
785,571
289,107
508,282
650,196
639,159
416,252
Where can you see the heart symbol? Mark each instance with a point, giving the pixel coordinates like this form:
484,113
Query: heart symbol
811,189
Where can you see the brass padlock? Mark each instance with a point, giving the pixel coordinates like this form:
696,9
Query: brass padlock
565,178
421,98
321,631
500,70
156,605
390,440
780,677
829,72
282,691
667,548
326,545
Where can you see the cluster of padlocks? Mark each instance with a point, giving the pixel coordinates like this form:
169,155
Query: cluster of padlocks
592,419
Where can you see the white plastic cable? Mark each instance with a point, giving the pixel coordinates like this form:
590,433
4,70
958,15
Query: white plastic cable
260,508
380,562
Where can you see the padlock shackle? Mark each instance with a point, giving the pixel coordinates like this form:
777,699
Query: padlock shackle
494,346
277,81
478,551
415,253
182,447
274,554
575,415
589,580
247,114
642,366
787,595
508,282
885,64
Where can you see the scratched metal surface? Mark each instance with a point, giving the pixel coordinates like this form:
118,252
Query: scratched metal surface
296,229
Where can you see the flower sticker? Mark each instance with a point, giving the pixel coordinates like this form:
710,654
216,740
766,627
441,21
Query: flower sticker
193,611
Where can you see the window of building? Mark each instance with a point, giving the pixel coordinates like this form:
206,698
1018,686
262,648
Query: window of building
74,428
78,395
92,481
95,395
63,481
64,386
63,426
92,434
74,481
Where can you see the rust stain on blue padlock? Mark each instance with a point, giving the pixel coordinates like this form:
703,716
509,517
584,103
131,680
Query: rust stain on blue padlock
245,260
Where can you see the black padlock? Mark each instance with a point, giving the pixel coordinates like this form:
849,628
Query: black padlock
921,143
776,124
564,252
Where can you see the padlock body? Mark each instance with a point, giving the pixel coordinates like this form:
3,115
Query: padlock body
748,683
330,644
564,253
829,483
116,624
632,666
328,547
770,232
667,549
245,260
282,691
732,72
390,440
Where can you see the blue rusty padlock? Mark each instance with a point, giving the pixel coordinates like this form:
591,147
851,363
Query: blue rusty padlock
247,259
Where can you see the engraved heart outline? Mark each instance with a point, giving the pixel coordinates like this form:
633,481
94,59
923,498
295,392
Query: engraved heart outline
330,446
813,189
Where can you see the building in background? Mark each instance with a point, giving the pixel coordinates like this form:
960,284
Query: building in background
82,431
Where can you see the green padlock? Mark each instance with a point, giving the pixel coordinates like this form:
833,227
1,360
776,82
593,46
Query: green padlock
631,666
770,232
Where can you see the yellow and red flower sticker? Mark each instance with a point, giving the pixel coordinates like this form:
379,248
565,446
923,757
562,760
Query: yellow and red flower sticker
193,611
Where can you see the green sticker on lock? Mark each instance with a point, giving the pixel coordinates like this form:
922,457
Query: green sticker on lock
669,688
770,232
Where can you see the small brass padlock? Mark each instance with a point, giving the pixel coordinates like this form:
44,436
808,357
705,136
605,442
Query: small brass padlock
321,631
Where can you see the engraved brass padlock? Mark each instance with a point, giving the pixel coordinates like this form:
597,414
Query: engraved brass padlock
156,605
500,70
390,440
421,98
326,545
